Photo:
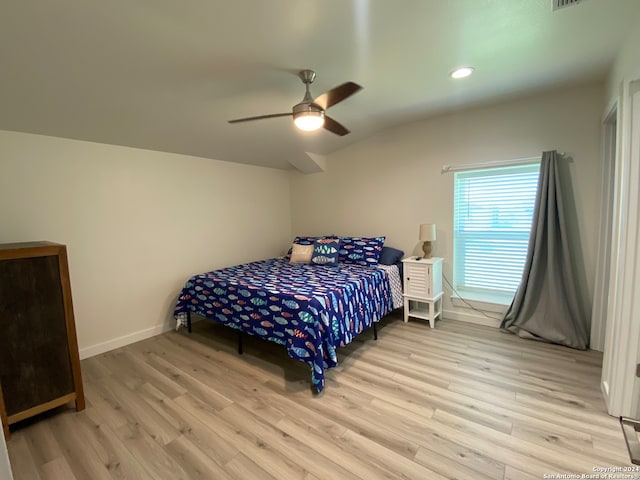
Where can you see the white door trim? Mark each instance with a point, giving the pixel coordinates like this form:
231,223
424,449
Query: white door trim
603,261
622,348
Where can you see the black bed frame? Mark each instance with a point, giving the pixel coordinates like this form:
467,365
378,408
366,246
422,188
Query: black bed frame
375,332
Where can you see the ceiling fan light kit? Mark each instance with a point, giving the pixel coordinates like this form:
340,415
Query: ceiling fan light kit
308,119
309,114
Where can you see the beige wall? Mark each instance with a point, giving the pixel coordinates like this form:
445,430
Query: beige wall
391,183
136,223
626,65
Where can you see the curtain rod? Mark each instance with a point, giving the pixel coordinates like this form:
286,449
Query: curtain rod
495,163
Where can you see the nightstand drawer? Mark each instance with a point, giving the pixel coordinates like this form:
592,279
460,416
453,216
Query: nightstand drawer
418,280
422,283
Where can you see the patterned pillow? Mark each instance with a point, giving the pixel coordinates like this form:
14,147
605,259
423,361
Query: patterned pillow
361,250
308,240
326,251
301,253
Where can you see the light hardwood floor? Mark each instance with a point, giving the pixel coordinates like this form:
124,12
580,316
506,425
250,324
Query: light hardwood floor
456,402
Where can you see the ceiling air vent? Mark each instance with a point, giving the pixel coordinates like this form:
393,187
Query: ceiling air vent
558,4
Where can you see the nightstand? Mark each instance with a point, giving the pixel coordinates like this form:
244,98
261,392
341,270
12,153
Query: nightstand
422,281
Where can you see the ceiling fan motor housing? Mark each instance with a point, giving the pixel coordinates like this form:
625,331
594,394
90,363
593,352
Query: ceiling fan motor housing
307,76
304,108
309,114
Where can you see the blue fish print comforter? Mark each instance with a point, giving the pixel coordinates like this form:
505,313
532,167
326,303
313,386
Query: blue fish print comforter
311,310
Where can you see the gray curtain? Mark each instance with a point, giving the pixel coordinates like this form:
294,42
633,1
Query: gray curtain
547,306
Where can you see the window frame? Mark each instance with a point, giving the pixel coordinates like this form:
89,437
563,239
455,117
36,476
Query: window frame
494,292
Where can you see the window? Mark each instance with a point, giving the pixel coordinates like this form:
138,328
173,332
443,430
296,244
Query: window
493,209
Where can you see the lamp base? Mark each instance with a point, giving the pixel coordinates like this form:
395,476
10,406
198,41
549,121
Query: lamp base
426,248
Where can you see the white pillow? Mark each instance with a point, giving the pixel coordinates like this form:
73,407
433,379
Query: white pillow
301,253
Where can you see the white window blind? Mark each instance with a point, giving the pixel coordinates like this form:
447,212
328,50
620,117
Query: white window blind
493,209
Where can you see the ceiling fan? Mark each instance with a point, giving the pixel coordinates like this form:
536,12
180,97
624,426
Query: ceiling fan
309,114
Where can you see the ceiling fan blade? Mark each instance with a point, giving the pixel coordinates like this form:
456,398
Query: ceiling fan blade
261,117
336,95
334,127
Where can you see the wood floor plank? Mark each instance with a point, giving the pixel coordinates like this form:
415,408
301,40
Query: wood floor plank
43,446
150,375
196,464
267,439
102,440
192,428
361,418
298,452
56,469
385,460
451,458
557,457
153,458
20,457
614,448
190,384
139,412
111,411
242,467
454,468
246,433
78,449
455,402
339,452
515,474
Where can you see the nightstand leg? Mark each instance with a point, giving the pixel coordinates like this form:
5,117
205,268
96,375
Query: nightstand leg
432,320
406,310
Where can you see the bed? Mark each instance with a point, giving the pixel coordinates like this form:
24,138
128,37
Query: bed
311,309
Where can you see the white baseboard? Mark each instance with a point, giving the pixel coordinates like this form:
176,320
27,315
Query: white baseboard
124,340
484,305
471,318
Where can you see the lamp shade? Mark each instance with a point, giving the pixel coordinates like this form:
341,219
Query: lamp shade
427,232
309,121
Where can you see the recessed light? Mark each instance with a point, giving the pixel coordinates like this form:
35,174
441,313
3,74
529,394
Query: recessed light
462,72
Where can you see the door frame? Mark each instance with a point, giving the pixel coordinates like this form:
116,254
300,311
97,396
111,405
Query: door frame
603,262
619,384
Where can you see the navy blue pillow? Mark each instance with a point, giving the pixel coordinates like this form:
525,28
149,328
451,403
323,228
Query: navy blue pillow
390,256
361,250
326,251
302,241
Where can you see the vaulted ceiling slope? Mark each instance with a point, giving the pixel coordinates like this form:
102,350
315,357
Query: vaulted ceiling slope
166,75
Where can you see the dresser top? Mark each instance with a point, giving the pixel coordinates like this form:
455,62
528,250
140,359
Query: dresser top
9,246
13,251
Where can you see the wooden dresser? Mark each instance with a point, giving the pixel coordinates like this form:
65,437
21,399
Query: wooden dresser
39,361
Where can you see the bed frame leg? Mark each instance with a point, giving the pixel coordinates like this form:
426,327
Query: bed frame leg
240,343
189,322
375,331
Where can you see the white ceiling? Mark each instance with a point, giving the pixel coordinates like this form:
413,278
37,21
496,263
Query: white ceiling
167,75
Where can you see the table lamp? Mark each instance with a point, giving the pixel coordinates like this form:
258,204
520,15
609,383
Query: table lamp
427,235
